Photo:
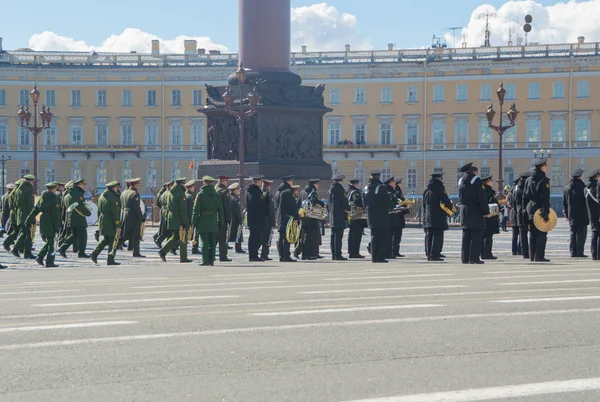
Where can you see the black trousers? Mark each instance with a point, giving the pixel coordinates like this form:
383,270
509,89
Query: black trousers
487,246
222,240
133,235
537,243
434,239
379,245
596,244
516,245
354,238
524,241
311,237
337,235
471,245
253,242
578,237
283,246
393,242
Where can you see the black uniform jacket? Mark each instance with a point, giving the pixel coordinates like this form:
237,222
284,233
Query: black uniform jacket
434,217
256,207
337,206
378,205
473,200
512,201
492,224
593,205
537,194
574,203
286,206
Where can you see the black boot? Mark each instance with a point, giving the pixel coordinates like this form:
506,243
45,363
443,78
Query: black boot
40,261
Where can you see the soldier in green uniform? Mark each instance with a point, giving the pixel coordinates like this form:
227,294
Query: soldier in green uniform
6,208
162,233
76,222
49,207
66,230
13,232
208,218
177,221
191,196
223,191
109,209
24,203
132,217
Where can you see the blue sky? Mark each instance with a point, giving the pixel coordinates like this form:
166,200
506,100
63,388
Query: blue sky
406,23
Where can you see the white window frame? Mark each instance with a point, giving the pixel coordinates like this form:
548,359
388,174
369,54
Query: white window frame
3,100
412,94
334,96
176,97
197,97
101,129
359,127
75,98
151,178
197,132
359,173
3,134
462,93
485,92
484,132
533,91
50,132
506,140
438,123
360,96
50,98
334,128
151,130
23,133
439,93
583,89
511,91
50,175
585,119
409,125
558,90
559,122
412,178
458,131
386,174
76,173
485,171
101,98
386,129
151,97
175,134
127,130
531,123
557,176
101,171
126,98
24,97
73,129
126,174
386,95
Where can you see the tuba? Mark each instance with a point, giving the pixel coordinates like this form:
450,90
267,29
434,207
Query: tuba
541,224
448,211
313,211
292,231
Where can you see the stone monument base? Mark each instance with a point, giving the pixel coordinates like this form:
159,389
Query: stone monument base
273,170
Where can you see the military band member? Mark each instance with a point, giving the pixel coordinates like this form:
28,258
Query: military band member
190,194
6,208
14,228
49,207
257,211
593,207
161,234
223,192
310,226
537,196
24,203
208,218
399,223
109,222
474,210
65,230
75,220
378,205
177,220
132,217
513,219
338,208
435,219
236,231
492,225
286,208
270,223
394,221
575,210
355,199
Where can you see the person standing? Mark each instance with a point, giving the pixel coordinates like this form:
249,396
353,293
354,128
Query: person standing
522,215
207,219
109,223
236,229
161,234
593,207
310,226
394,217
190,195
536,197
132,217
76,222
513,220
575,210
286,208
474,210
338,208
435,219
492,224
257,211
177,221
355,199
24,203
270,223
400,223
49,207
225,195
6,208
378,205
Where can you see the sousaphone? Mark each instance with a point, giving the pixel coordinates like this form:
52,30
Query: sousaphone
541,224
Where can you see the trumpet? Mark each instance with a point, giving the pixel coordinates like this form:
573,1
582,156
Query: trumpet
406,203
447,210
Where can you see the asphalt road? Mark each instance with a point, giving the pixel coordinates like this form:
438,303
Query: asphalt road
407,331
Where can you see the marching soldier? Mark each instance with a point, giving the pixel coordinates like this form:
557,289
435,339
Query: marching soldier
593,207
65,231
76,222
177,221
109,209
537,196
236,231
338,208
492,225
132,217
474,210
575,210
190,194
378,205
435,219
161,234
223,192
6,209
357,226
269,220
287,207
310,226
49,207
208,217
14,228
24,203
257,211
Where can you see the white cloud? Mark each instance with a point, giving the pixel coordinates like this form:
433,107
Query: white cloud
562,22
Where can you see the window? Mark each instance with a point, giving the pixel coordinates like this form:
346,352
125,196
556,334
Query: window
583,90
152,134
126,97
3,177
151,97
461,131
24,97
334,96
557,176
50,100
438,93
102,134
101,176
126,133
50,135
510,135
126,174
533,131
76,135
461,93
151,178
2,97
386,95
76,173
485,92
359,95
557,130
176,133
24,171
176,97
558,90
24,136
359,174
485,134
50,175
485,171
3,134
334,129
534,90
101,98
509,175
511,92
582,129
197,131
386,174
76,98
438,132
360,132
412,132
175,172
385,132
412,94
411,179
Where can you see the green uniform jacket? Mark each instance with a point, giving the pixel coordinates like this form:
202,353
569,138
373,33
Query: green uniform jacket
208,214
176,205
159,201
109,208
24,200
131,215
226,200
49,206
190,203
76,219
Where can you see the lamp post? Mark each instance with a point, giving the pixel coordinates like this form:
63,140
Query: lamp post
542,153
3,159
500,128
25,119
241,115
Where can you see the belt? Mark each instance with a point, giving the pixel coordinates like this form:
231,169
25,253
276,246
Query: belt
208,213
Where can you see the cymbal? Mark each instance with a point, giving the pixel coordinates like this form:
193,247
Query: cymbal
541,224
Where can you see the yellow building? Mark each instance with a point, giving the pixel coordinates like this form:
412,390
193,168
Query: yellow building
401,111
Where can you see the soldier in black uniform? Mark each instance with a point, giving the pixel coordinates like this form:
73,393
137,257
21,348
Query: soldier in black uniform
394,214
286,207
513,220
338,208
492,224
257,210
378,205
537,196
575,210
399,224
435,219
267,232
522,215
236,229
593,207
357,226
310,226
474,209
223,191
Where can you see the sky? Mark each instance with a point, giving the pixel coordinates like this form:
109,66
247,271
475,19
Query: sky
125,25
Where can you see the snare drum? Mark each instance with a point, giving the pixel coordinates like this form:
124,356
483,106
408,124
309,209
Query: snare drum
494,209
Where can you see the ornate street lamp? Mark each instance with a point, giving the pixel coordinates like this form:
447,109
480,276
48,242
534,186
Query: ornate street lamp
500,128
542,153
35,129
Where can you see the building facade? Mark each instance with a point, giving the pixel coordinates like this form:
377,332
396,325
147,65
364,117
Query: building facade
401,111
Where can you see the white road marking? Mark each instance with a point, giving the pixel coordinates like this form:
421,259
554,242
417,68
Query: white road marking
87,281
342,324
314,292
545,299
503,392
551,282
203,284
347,310
40,291
387,277
67,326
133,301
566,271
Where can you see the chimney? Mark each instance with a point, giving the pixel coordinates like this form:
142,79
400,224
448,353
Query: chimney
580,40
190,46
202,52
155,47
303,49
390,46
347,48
